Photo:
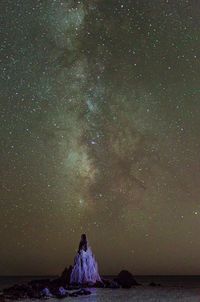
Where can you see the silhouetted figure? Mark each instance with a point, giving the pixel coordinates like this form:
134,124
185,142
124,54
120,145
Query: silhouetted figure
85,269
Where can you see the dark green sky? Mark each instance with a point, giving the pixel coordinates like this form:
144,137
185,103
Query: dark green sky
100,133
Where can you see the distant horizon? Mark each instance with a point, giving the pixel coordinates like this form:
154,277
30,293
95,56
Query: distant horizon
1,276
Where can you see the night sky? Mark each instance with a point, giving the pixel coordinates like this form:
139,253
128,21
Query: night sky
100,134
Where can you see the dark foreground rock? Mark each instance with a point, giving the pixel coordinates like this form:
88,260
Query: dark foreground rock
65,276
60,287
20,292
154,284
46,288
110,283
125,279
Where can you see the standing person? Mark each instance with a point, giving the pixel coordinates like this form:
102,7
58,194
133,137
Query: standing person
85,269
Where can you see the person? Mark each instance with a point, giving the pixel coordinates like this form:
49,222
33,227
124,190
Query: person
85,269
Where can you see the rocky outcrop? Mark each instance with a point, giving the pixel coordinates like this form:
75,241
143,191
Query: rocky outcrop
60,287
65,276
45,288
125,279
36,290
110,283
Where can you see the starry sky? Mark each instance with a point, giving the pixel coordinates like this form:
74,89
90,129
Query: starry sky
100,134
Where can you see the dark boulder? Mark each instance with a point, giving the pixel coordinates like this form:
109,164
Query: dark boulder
45,293
63,280
154,284
106,282
65,276
114,284
60,293
99,284
110,283
125,279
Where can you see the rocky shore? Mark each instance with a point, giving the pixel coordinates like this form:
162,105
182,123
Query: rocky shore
60,287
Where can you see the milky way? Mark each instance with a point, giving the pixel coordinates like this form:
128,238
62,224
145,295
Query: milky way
100,134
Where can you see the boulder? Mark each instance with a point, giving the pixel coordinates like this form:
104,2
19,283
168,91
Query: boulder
154,284
99,284
61,293
65,276
45,293
110,283
125,279
106,282
113,284
63,280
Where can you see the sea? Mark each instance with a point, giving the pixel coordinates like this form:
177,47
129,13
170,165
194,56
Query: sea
173,288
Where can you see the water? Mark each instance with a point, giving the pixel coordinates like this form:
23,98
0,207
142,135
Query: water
174,288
